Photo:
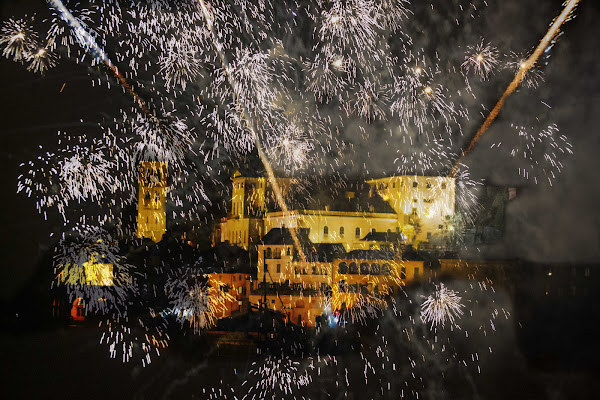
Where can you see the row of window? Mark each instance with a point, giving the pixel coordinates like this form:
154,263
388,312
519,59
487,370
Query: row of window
372,269
277,252
238,236
364,269
361,288
356,231
415,184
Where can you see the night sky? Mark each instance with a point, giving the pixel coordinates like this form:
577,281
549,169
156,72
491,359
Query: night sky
548,224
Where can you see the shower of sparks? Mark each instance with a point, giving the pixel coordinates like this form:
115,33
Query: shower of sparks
524,68
276,378
541,151
443,305
482,59
18,39
197,299
532,77
88,264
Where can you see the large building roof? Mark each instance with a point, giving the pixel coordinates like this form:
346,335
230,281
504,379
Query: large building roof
392,237
344,196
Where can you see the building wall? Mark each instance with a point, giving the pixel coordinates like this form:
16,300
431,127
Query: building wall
309,281
316,221
357,279
237,287
426,201
430,200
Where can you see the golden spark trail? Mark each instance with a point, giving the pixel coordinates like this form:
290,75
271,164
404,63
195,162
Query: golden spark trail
526,66
261,154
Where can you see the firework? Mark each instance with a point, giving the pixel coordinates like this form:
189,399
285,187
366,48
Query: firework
18,38
541,152
179,63
197,299
276,378
442,305
87,263
532,77
482,59
133,339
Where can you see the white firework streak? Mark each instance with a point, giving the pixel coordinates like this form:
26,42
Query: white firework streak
179,63
196,298
442,305
277,377
541,151
130,342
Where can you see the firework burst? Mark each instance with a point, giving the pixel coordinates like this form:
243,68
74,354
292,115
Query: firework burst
197,299
18,39
87,263
481,59
443,305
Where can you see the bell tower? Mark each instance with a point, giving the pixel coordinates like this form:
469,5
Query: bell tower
152,199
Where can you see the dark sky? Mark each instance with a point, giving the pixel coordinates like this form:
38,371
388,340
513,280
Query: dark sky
546,223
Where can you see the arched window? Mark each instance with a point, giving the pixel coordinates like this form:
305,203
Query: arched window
357,232
277,253
288,251
326,230
375,269
365,268
353,268
268,253
341,230
343,268
386,269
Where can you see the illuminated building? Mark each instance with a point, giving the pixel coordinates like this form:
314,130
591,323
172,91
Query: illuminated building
418,207
152,217
352,236
328,277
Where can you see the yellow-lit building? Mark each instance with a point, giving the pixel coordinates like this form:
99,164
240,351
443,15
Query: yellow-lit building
328,277
423,201
152,214
351,236
418,207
